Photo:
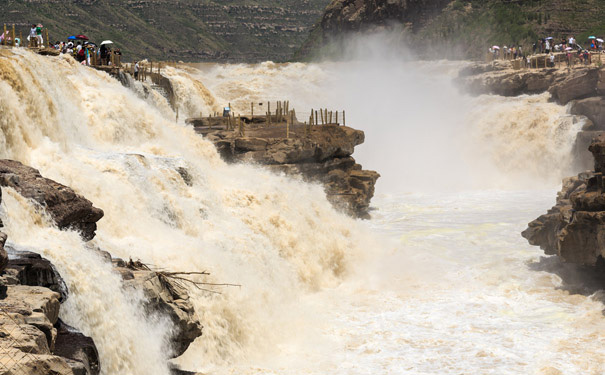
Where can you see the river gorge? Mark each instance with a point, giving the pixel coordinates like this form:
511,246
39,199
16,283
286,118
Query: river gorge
438,281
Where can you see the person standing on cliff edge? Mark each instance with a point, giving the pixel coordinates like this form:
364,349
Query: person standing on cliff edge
136,70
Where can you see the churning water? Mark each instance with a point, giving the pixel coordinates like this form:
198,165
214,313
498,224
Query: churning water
438,282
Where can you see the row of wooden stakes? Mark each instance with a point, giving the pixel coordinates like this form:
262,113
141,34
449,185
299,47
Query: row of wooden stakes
326,117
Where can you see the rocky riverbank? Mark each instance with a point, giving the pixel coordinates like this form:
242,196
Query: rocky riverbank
33,340
320,154
574,228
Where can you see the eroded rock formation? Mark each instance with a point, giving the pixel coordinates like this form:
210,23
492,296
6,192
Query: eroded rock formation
574,228
323,155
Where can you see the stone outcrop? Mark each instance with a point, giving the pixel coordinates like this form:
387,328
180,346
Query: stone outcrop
68,209
574,228
323,155
510,82
164,297
31,335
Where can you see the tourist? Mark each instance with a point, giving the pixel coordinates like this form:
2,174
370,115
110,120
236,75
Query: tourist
32,36
552,60
572,41
547,46
39,39
103,53
136,70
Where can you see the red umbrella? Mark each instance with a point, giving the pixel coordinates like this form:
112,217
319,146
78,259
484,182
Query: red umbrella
83,37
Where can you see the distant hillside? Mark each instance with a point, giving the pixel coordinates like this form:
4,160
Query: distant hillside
189,30
455,28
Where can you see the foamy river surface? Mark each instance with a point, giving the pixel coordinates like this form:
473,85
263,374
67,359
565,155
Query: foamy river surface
458,292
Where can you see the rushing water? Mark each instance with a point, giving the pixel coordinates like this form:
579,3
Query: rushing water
438,282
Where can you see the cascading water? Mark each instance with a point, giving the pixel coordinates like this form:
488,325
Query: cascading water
438,282
273,235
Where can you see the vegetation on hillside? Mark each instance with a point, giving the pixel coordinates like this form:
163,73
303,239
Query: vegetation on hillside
466,28
189,30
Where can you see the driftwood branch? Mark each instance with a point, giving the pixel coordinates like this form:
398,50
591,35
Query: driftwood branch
173,281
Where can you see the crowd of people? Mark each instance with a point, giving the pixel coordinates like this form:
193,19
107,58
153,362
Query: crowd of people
550,46
88,53
79,46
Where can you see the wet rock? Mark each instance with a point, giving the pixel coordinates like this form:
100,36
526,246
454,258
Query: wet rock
79,350
33,270
166,298
68,209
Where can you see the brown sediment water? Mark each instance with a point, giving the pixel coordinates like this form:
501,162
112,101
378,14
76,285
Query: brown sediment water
440,281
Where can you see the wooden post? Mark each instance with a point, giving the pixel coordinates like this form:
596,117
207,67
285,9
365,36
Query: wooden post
344,122
316,119
326,115
269,113
20,39
321,111
4,36
13,41
287,127
47,39
330,122
337,118
251,111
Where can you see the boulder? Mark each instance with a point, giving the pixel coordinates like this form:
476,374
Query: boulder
68,209
593,108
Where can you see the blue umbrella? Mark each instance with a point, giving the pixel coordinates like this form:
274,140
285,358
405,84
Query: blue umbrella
73,37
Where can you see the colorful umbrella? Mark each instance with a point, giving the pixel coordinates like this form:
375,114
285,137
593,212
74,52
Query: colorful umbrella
82,37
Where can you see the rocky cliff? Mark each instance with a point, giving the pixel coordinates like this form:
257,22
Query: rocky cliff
33,340
453,28
573,228
189,30
319,154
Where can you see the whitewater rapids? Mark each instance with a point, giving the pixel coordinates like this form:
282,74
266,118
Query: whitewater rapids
438,282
